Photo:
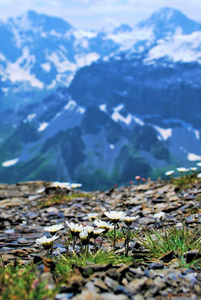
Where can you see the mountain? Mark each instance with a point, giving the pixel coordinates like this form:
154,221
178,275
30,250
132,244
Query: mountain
130,102
165,90
118,119
40,53
167,22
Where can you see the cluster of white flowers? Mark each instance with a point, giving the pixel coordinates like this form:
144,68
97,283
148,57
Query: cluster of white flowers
184,170
75,229
47,242
83,232
66,185
116,216
103,225
87,232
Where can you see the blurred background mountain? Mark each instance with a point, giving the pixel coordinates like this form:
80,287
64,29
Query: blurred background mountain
99,106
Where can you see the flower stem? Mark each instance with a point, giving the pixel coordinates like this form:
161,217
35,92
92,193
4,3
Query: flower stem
127,240
114,245
73,243
51,250
87,249
94,245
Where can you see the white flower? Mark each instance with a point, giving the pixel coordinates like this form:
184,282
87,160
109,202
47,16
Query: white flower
92,216
169,173
199,164
129,220
46,242
181,170
97,232
84,236
90,230
199,175
54,228
75,185
114,215
193,169
75,229
103,224
62,185
40,191
159,215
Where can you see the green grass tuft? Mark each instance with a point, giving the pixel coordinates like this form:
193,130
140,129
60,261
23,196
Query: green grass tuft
172,239
185,181
62,199
19,282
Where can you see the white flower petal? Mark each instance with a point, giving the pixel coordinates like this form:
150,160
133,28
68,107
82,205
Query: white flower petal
53,228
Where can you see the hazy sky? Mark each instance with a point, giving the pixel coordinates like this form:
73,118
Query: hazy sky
97,13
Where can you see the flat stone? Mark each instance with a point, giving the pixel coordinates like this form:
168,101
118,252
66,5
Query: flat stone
64,296
87,295
20,253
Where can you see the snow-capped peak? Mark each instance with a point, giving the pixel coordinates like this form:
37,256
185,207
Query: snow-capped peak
165,21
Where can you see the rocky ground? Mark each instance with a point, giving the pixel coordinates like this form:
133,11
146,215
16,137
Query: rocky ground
25,208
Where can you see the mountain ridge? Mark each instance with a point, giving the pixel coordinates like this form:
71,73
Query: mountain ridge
168,20
50,53
125,111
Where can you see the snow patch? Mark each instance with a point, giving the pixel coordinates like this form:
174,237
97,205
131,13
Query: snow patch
54,33
81,110
2,57
5,90
30,117
61,62
51,85
10,163
116,116
79,34
138,121
86,59
119,107
17,37
103,107
21,69
164,133
70,105
43,34
127,40
43,126
184,48
197,134
46,66
82,43
193,157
